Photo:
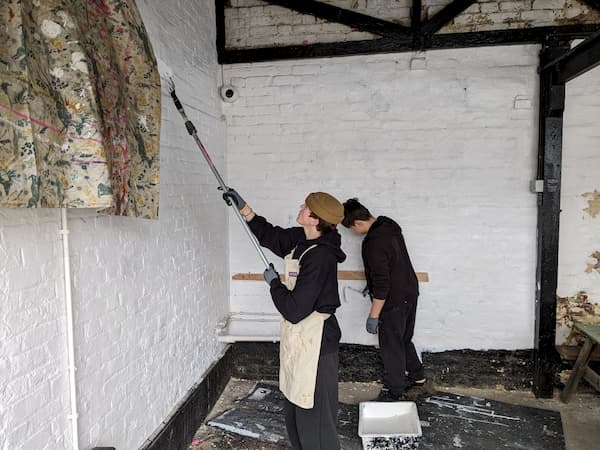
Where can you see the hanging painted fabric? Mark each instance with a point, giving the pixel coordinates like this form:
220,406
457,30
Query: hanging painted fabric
80,107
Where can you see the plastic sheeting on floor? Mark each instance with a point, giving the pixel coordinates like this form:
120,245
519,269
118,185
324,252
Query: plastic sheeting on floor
448,421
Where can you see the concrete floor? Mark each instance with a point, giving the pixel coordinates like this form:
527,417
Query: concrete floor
580,417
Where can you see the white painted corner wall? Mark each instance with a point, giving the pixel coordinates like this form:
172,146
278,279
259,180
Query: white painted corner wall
147,294
579,243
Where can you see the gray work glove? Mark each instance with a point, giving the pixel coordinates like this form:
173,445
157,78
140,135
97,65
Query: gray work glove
270,274
231,195
372,323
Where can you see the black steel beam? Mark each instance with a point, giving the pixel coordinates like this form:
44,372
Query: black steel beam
220,22
445,15
593,3
578,60
551,105
358,21
415,24
389,45
415,16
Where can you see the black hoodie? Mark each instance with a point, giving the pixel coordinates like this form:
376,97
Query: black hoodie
316,286
390,274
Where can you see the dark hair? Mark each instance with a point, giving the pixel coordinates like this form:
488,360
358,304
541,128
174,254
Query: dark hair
353,211
323,226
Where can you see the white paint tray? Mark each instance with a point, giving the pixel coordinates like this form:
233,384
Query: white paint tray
389,425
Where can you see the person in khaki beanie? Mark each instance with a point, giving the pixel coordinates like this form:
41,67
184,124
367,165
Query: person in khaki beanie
307,299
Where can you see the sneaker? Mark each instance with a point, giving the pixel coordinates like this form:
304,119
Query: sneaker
419,383
385,395
417,392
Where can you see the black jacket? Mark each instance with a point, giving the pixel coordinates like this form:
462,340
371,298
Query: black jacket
316,286
389,272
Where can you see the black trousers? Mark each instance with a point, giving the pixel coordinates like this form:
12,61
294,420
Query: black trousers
400,361
316,428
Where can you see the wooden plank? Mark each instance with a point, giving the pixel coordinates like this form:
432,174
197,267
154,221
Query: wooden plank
570,352
423,277
592,377
590,330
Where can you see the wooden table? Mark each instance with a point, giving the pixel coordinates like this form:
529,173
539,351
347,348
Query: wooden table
581,368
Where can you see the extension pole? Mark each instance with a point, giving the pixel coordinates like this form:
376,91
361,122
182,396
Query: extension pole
192,132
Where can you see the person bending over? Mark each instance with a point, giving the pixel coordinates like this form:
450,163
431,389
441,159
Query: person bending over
393,287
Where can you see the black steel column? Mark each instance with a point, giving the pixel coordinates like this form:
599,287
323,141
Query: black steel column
551,108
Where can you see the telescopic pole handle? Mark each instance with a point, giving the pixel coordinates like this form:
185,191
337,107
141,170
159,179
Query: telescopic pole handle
192,132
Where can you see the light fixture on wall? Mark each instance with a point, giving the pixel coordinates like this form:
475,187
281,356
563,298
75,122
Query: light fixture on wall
229,93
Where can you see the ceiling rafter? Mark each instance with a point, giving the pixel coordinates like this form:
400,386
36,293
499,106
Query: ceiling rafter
593,3
361,22
389,45
393,37
415,16
416,23
445,15
581,58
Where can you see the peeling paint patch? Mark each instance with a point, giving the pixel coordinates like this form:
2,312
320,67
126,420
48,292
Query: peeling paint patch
593,199
594,266
576,308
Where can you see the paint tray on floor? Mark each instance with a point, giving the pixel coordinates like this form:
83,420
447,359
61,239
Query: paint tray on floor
389,425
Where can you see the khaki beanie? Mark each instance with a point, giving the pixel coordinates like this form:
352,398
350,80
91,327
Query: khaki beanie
325,206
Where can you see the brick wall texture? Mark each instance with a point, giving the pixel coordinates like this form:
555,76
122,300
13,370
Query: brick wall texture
443,141
147,295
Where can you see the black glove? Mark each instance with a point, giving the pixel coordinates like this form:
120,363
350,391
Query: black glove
232,196
270,274
372,323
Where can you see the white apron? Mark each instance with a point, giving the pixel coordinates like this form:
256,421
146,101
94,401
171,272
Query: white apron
299,347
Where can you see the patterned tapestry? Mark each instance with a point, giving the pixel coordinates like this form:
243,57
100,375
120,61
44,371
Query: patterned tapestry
79,107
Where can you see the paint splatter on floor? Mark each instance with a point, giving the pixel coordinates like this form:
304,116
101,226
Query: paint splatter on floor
448,421
392,443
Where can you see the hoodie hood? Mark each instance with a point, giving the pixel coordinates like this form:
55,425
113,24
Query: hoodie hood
332,240
382,227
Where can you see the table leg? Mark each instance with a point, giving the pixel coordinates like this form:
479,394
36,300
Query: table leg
578,370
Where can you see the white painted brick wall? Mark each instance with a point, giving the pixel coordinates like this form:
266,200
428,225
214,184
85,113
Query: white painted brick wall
442,150
147,294
33,392
579,231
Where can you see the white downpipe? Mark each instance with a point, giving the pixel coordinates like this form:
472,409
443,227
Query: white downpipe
64,232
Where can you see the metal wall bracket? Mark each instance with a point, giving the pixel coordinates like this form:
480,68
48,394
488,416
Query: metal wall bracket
536,186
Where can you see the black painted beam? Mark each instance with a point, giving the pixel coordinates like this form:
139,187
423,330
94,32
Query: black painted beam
551,105
415,24
445,15
593,3
415,16
220,22
358,21
389,45
578,60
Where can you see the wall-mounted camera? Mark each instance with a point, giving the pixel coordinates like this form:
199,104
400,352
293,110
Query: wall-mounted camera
229,93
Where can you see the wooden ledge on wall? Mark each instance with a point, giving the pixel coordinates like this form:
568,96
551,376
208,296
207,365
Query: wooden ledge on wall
423,277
